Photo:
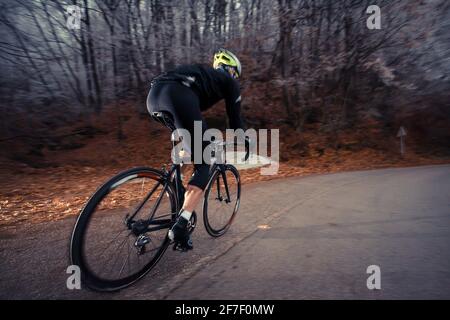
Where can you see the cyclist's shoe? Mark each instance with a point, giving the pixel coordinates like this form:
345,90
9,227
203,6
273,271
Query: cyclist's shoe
179,233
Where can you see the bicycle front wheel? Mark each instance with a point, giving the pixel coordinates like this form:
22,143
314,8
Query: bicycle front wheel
221,202
121,233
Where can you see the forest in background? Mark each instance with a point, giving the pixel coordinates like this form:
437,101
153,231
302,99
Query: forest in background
308,66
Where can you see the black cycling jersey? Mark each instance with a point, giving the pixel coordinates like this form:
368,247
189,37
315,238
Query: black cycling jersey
186,91
211,85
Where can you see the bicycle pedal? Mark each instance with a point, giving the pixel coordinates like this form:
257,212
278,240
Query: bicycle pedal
178,246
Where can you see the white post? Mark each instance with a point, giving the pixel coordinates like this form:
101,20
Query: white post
402,134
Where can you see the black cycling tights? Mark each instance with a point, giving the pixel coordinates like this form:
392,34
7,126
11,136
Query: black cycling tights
184,105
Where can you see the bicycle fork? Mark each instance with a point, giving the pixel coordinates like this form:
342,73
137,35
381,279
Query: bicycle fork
219,196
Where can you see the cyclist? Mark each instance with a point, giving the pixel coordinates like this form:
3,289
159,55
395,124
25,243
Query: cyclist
185,92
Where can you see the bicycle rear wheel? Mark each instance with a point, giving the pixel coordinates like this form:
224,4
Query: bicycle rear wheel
221,201
121,233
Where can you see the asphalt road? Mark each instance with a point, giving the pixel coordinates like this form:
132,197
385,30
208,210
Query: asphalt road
320,234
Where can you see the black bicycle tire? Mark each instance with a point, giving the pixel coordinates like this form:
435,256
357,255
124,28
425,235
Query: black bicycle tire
76,245
211,231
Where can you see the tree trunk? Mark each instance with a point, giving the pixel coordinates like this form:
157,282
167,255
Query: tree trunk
92,64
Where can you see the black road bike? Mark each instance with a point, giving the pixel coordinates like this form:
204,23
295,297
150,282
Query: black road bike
121,233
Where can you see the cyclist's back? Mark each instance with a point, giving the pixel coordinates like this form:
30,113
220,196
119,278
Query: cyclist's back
209,84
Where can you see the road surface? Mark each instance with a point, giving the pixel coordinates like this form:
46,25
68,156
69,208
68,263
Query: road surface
298,238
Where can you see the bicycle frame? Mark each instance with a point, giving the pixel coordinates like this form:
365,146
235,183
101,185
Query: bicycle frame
143,225
173,175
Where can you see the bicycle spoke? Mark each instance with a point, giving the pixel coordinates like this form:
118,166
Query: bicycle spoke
120,246
127,260
142,186
109,243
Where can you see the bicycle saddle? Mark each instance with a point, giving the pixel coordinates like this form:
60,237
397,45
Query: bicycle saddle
165,118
